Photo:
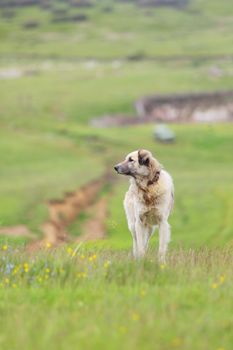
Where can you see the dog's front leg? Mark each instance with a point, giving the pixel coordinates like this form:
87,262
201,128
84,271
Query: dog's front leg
135,246
140,232
164,238
134,237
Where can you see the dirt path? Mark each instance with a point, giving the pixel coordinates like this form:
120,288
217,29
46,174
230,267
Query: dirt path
62,212
16,231
94,228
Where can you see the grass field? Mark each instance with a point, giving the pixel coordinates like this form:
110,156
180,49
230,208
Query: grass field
93,295
52,108
203,28
101,299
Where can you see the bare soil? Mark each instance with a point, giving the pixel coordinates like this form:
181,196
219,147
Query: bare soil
62,212
94,228
16,231
204,107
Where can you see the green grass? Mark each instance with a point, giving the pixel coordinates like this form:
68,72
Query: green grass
34,169
73,93
203,28
95,296
45,146
201,163
104,300
39,166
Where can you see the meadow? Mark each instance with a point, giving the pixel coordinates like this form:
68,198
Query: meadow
93,295
100,299
200,30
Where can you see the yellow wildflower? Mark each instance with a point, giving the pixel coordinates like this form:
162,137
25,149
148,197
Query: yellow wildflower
176,342
26,267
69,250
106,264
47,270
221,279
6,280
214,285
4,247
15,270
82,275
14,285
162,266
142,293
92,258
123,329
48,245
135,316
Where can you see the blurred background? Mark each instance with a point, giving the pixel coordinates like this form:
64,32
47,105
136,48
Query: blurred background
84,82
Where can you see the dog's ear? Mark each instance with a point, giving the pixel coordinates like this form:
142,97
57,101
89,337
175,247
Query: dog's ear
144,157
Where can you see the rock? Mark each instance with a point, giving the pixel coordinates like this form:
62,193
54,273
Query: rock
164,134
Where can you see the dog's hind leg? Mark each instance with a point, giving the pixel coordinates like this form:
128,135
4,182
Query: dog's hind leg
164,239
135,246
148,231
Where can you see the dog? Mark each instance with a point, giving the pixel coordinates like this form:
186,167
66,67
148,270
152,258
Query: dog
148,202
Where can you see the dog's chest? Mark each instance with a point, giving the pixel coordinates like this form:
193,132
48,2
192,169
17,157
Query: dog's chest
151,217
147,207
149,198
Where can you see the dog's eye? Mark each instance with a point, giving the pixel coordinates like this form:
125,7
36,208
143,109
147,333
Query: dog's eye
130,159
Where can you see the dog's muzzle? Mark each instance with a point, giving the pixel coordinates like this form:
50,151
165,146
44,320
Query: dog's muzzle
121,169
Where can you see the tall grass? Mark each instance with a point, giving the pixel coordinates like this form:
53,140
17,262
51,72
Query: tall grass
102,299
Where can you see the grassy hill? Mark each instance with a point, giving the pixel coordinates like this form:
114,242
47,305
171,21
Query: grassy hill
45,143
112,29
44,113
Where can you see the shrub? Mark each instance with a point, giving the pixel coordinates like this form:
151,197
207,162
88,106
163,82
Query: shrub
31,24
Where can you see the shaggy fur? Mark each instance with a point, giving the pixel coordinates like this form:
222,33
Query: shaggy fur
148,202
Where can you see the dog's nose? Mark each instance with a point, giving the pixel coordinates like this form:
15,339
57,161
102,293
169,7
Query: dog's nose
116,167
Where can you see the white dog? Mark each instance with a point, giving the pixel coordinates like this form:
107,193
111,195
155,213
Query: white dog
148,202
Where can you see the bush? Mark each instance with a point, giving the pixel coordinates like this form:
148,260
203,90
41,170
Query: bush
81,3
8,13
79,17
107,9
66,18
31,24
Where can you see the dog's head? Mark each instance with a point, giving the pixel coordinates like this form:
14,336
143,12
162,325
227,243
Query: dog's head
138,164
